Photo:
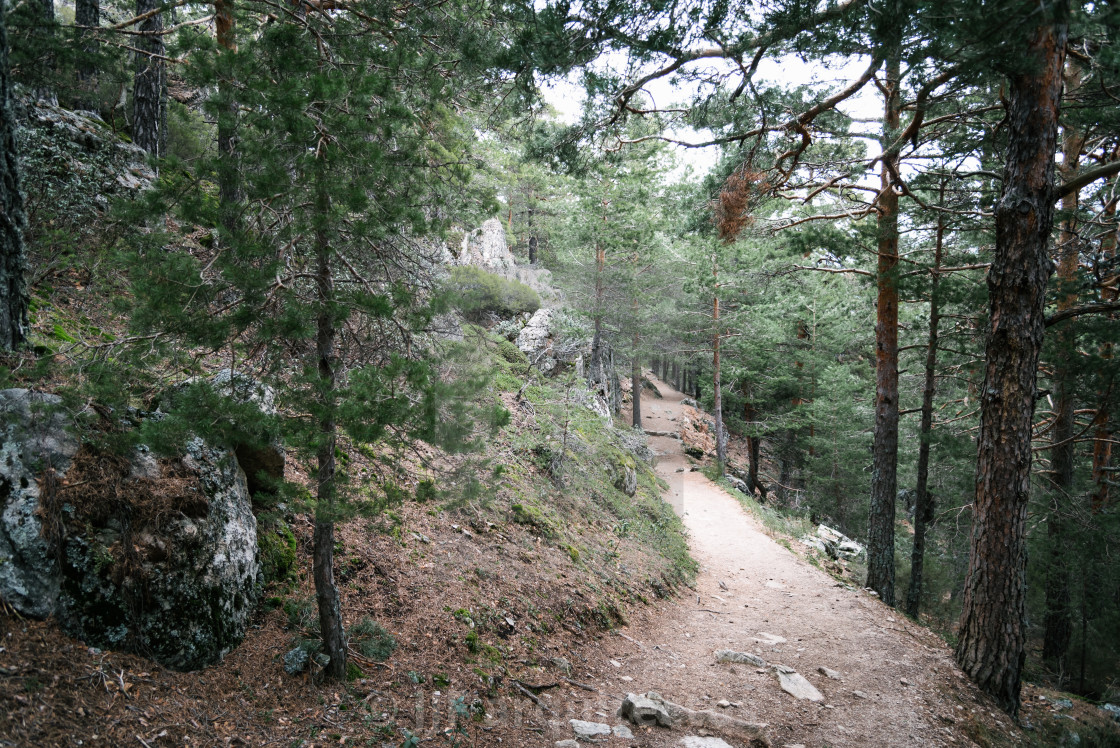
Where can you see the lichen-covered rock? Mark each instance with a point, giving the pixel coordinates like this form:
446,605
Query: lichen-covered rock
157,557
624,473
33,438
184,594
263,465
296,661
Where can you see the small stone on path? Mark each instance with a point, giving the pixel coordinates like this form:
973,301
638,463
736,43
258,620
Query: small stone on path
723,703
859,694
589,729
746,658
622,731
691,741
569,743
796,685
826,672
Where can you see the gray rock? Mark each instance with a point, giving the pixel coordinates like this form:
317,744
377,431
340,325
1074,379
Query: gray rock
645,710
690,403
563,665
737,484
296,661
744,658
1112,710
828,673
692,741
622,731
569,743
33,439
795,684
186,607
182,596
584,729
859,694
814,542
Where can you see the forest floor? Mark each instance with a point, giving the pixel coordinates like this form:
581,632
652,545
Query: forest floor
897,686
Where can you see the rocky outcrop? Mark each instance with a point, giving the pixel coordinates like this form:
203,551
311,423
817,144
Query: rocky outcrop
553,344
486,247
80,155
33,439
157,557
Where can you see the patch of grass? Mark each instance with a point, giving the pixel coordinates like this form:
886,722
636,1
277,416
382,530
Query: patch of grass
372,640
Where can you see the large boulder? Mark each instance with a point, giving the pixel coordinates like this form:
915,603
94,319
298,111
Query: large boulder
157,557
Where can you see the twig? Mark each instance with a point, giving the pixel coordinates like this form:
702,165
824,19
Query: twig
584,686
529,695
707,610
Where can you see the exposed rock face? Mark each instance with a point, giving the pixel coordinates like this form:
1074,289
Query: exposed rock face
553,350
795,684
33,436
154,557
645,709
486,247
624,473
743,658
255,461
96,156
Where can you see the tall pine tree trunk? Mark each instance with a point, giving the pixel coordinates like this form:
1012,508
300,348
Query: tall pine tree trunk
884,472
636,384
147,89
923,502
992,643
87,13
1102,434
1058,622
229,171
717,389
13,261
326,589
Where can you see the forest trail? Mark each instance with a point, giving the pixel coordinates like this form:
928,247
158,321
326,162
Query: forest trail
754,595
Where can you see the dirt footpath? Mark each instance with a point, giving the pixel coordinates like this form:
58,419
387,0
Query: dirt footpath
895,683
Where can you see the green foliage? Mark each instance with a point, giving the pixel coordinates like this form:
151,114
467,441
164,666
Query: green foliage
478,293
372,640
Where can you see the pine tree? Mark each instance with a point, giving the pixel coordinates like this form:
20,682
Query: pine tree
348,151
13,260
992,644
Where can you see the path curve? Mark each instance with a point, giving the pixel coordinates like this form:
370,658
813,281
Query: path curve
754,595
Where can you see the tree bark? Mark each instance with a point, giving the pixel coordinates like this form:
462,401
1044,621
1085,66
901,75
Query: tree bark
991,647
1058,622
229,166
636,384
147,90
923,502
717,389
884,471
88,13
326,589
14,323
1103,435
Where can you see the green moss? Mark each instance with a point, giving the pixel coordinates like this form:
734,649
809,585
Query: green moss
277,545
534,519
